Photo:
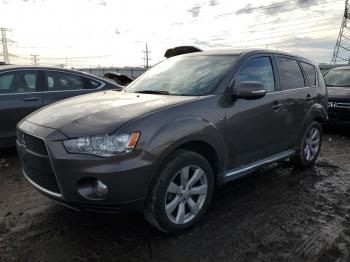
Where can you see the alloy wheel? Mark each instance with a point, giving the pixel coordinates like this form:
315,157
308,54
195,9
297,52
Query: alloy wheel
186,194
312,144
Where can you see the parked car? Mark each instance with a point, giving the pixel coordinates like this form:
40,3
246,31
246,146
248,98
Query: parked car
24,89
120,79
338,85
180,50
189,124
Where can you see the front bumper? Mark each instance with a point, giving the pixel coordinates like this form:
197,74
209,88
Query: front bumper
128,176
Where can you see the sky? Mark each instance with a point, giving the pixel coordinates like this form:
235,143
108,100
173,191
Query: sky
88,33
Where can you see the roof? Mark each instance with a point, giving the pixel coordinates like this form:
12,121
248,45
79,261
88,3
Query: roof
10,67
246,52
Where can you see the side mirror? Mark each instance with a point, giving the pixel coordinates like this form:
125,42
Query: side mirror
250,90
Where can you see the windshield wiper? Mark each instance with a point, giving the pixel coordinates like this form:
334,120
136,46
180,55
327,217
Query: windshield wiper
161,92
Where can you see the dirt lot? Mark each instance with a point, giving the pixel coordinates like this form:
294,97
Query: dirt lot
277,214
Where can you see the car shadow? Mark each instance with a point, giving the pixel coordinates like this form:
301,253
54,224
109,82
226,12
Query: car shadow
337,130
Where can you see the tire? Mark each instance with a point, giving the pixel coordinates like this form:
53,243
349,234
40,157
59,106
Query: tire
308,150
173,208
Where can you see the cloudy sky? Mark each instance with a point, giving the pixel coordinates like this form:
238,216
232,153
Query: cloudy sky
114,32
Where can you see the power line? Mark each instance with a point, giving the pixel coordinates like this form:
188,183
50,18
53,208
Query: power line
342,38
277,36
146,56
5,41
35,59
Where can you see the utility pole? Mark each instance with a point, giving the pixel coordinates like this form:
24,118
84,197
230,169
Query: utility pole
5,41
35,59
342,47
146,56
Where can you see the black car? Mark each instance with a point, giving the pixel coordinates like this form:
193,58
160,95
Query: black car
24,89
187,125
338,85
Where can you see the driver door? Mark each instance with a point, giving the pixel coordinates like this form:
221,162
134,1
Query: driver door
253,126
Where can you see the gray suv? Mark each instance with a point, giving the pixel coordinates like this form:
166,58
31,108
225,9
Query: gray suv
185,127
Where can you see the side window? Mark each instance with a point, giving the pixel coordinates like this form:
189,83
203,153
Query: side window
6,81
60,81
92,84
18,82
290,73
310,72
259,70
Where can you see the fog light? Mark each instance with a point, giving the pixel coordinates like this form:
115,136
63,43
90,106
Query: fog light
101,190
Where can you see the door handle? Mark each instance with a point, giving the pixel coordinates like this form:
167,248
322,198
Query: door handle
277,104
33,98
308,97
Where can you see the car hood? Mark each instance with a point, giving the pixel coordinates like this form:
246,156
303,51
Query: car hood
338,92
100,113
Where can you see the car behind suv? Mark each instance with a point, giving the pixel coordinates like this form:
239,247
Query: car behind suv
338,85
189,124
24,89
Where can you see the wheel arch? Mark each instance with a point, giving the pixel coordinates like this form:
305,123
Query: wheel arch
317,113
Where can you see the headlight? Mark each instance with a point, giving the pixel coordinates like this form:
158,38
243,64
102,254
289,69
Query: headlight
106,146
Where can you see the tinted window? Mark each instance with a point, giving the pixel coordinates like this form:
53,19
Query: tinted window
185,75
59,81
18,82
310,73
290,73
338,77
6,83
259,70
92,84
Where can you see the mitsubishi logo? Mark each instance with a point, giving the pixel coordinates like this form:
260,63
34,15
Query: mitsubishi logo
332,104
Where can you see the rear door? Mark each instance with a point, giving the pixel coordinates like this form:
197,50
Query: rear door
253,126
20,95
297,97
59,85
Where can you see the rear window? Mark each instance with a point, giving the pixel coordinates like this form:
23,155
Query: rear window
310,72
291,76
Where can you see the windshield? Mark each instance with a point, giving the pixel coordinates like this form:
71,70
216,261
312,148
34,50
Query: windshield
189,75
338,77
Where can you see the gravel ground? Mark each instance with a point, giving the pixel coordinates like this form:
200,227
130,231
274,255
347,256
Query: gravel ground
277,214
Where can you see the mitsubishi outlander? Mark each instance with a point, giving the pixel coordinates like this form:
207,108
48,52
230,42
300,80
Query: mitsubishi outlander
174,135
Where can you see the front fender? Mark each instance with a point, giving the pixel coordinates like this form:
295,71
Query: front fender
174,134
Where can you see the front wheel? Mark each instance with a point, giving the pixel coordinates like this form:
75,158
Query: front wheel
182,192
310,146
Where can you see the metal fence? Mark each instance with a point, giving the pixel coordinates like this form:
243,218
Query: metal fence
132,72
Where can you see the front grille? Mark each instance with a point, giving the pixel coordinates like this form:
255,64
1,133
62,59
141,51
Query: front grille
345,117
32,143
43,178
36,162
343,105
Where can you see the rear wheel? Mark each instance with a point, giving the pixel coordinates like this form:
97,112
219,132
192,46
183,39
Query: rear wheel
182,193
310,146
